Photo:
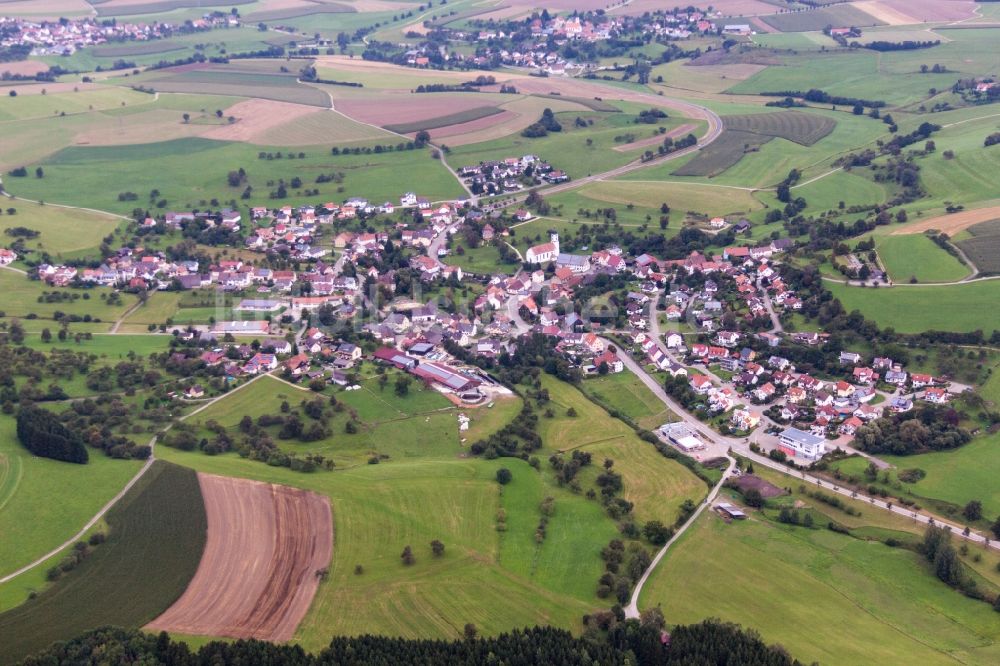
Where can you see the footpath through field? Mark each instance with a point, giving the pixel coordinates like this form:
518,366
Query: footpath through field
128,486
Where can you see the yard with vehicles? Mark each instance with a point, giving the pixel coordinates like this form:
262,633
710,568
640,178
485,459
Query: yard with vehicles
158,527
810,570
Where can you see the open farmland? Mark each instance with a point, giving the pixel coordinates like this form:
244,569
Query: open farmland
802,128
136,7
305,9
886,599
917,256
954,223
158,528
243,78
817,19
63,232
626,393
912,309
722,153
189,171
257,576
983,249
444,121
706,199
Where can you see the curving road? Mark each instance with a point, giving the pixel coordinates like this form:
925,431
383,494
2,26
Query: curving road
722,445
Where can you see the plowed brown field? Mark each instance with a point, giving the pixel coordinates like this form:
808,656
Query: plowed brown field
257,575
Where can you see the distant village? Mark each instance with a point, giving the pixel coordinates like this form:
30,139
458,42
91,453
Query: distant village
67,36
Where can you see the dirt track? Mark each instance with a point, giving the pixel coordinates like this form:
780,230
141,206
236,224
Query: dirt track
953,223
257,575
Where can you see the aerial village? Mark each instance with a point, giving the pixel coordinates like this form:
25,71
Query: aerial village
708,323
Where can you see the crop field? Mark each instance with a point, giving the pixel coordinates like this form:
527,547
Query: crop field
916,255
885,598
802,128
983,249
914,309
444,121
132,7
817,19
722,153
188,171
257,576
159,527
245,78
303,10
63,232
137,49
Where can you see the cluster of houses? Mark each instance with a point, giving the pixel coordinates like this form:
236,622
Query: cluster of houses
510,174
66,36
7,257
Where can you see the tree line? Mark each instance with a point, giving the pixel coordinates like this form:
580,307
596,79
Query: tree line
634,642
42,433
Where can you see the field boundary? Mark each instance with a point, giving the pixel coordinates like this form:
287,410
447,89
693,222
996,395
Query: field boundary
117,498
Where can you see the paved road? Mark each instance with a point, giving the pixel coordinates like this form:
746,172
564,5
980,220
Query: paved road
632,610
776,326
720,445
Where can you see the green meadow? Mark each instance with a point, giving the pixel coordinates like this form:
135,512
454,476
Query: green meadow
430,490
825,597
917,256
191,173
912,309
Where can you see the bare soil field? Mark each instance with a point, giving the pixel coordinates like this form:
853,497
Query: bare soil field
953,223
886,13
254,117
23,67
656,140
46,8
257,575
929,10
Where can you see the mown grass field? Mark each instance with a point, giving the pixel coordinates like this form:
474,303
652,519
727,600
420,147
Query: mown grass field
89,97
21,300
626,393
851,188
188,172
44,502
484,259
231,80
908,309
156,535
63,232
809,589
680,196
959,476
916,255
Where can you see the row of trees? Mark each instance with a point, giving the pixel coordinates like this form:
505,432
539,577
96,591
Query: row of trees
616,643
